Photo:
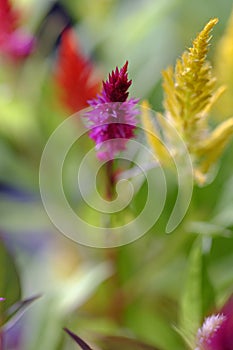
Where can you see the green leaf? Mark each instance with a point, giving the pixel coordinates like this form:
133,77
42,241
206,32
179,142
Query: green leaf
17,310
120,343
111,343
10,287
152,326
83,345
198,295
191,303
208,292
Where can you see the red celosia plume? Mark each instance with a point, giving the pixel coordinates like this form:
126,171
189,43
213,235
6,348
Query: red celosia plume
74,74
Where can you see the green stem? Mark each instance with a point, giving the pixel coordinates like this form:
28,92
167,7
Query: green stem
116,307
110,180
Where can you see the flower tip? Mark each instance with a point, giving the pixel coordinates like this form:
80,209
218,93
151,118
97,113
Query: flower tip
212,22
215,20
126,65
124,69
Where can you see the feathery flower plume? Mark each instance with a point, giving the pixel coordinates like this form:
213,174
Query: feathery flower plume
189,89
74,74
14,41
216,331
113,117
189,96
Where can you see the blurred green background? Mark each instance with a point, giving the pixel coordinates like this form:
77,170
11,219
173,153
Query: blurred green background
140,290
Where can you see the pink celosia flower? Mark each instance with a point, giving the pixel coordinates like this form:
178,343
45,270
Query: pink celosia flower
113,117
216,331
14,41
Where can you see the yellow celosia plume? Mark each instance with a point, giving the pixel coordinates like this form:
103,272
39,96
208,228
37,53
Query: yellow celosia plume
189,90
189,94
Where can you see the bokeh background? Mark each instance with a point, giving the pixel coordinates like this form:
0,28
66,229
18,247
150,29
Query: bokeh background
135,290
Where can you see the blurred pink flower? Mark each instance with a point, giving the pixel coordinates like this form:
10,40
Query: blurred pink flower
113,117
216,331
14,41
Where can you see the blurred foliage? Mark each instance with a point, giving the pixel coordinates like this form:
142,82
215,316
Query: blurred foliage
158,289
10,285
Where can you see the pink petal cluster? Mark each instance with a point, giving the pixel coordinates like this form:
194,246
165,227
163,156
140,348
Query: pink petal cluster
113,118
216,332
14,41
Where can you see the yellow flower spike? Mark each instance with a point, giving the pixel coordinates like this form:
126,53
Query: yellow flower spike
224,69
190,94
189,90
152,135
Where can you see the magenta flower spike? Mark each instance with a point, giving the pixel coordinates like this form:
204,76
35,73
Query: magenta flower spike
113,117
216,332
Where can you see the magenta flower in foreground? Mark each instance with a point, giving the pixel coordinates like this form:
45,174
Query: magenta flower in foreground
216,332
113,117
